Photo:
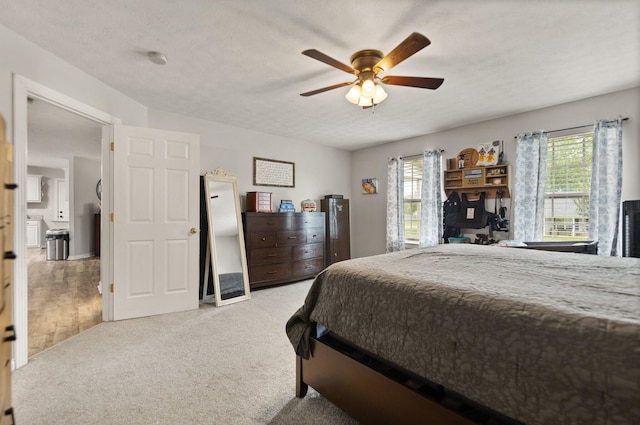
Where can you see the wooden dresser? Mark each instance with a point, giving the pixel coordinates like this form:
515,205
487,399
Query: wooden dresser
283,247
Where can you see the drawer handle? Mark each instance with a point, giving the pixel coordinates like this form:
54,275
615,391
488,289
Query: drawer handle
314,236
293,237
270,223
307,251
272,255
263,239
272,272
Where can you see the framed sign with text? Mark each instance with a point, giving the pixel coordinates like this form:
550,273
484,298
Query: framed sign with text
272,172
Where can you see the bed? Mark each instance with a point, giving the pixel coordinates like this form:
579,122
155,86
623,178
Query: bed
468,334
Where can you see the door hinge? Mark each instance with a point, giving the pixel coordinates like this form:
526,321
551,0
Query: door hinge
112,145
111,217
111,288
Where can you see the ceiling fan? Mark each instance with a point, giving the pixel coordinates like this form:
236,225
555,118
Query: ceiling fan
367,64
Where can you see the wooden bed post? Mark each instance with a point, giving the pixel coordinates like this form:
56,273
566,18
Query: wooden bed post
301,387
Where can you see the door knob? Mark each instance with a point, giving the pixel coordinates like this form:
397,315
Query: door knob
193,230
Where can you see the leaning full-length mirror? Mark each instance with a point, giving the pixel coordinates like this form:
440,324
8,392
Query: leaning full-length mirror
226,239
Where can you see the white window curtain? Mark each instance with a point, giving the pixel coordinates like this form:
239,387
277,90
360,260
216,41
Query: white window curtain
606,186
395,204
431,203
528,200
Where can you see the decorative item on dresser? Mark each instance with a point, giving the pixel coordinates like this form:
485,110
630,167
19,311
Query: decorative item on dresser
259,202
338,237
283,247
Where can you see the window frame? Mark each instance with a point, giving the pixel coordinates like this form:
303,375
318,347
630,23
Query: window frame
416,199
556,226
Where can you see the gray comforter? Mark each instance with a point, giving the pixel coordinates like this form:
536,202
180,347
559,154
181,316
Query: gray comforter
543,337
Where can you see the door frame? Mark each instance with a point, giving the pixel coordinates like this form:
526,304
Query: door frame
22,89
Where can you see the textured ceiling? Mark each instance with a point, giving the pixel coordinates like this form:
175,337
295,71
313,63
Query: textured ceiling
238,62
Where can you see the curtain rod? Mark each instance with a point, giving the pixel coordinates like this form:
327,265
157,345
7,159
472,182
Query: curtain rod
418,155
580,126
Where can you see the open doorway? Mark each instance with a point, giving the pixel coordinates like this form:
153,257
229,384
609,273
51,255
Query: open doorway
24,88
63,227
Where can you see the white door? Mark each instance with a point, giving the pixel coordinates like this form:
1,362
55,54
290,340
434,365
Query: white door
155,225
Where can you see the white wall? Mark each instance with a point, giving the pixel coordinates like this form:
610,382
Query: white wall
83,204
319,170
369,211
20,56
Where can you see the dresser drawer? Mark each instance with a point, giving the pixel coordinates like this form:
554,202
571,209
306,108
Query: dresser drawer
268,222
269,272
303,252
308,267
270,255
315,235
291,237
262,239
306,220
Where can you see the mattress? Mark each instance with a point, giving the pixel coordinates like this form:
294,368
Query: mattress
542,337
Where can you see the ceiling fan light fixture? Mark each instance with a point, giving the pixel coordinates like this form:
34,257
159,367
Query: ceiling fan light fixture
368,88
353,95
379,95
367,64
365,101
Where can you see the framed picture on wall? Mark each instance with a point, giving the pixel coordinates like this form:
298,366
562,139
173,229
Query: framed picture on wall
272,172
370,186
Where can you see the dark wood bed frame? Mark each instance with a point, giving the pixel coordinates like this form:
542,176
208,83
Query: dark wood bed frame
372,391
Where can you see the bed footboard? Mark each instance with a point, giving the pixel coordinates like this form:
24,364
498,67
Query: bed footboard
377,397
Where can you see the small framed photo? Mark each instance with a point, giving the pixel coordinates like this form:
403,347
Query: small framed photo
370,186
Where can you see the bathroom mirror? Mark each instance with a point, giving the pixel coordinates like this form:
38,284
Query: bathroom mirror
225,239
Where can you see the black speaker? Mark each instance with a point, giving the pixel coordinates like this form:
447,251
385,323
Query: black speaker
631,229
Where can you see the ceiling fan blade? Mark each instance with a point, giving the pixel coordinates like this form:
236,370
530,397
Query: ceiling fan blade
420,82
411,45
313,53
324,89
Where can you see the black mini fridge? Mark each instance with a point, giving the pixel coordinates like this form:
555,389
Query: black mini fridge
338,236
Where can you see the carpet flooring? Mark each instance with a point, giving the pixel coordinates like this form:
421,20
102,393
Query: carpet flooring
215,365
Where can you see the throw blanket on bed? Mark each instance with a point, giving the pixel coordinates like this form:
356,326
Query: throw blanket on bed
543,337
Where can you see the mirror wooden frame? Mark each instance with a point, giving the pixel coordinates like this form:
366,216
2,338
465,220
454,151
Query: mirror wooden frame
219,175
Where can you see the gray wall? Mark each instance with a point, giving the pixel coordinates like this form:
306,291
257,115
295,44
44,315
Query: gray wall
24,58
83,205
319,170
369,211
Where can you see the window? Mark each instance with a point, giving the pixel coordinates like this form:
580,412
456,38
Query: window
567,185
412,197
